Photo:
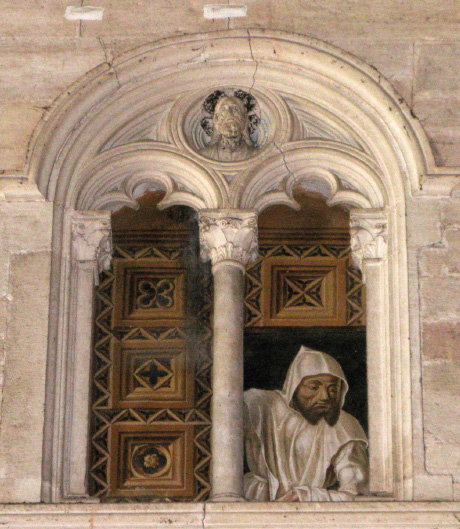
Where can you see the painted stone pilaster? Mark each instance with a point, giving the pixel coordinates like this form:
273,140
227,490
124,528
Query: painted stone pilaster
92,240
91,250
369,239
229,240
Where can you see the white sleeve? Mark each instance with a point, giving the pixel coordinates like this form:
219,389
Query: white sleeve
351,467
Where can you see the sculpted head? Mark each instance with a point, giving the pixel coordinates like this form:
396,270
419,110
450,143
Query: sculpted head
230,118
230,126
319,396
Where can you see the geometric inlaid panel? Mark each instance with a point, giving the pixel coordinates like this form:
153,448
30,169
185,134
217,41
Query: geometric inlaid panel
150,428
148,293
155,458
150,374
297,292
304,292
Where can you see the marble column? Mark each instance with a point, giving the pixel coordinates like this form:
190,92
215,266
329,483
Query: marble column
229,239
90,253
369,233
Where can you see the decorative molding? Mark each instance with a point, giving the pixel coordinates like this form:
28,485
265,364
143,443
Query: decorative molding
348,177
116,177
359,117
369,236
366,514
228,235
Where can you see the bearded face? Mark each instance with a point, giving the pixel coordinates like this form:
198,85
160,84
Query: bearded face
230,118
318,396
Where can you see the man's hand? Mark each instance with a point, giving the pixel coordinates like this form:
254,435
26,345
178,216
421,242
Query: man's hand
291,495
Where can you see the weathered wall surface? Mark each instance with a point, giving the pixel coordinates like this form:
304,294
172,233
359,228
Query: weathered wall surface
415,45
24,299
439,286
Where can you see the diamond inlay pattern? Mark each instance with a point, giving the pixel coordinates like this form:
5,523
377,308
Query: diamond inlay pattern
153,374
152,380
307,289
300,291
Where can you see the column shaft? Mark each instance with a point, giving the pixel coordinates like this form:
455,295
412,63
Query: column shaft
77,442
229,239
380,448
227,406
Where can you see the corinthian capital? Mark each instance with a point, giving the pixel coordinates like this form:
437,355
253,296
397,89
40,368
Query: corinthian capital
228,235
369,234
91,239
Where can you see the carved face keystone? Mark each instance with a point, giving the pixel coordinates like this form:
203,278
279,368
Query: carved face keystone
230,117
231,128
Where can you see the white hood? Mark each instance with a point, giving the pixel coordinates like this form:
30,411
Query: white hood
309,363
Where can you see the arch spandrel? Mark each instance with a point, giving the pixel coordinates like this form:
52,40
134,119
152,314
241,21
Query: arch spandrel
357,106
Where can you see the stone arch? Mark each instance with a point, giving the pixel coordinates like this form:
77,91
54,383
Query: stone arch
114,103
332,124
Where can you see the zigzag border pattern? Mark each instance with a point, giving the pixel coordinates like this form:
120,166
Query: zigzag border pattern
103,416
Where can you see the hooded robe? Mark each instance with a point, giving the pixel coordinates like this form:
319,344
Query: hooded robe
287,453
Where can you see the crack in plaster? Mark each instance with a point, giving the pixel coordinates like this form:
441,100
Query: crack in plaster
80,22
283,156
412,88
254,59
107,60
203,516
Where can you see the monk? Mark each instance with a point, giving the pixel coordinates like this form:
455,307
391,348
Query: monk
300,444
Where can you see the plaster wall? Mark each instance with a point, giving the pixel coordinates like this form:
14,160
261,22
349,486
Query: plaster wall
24,289
414,45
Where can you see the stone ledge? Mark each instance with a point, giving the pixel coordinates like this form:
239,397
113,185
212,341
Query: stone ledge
368,514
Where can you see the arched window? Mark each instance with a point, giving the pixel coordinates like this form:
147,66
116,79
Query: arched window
325,124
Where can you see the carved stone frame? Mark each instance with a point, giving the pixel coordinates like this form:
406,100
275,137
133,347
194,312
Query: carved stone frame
78,169
86,250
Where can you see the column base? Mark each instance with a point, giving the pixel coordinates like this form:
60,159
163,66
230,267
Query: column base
226,497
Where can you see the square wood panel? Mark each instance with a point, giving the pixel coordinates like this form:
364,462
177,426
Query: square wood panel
304,292
152,374
152,459
149,293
